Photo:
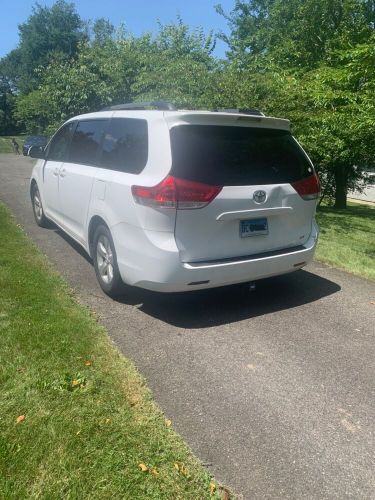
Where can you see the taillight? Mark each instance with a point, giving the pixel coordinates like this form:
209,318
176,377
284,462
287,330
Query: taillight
308,188
173,192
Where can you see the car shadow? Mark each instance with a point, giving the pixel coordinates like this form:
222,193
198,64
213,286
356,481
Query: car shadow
76,246
219,306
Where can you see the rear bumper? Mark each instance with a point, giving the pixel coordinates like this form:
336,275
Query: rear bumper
151,260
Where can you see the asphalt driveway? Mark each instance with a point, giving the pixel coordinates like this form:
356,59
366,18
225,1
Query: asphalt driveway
273,390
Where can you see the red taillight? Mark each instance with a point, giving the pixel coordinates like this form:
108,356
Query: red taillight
173,192
308,188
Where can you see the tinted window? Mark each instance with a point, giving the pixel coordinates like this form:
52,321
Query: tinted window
86,140
125,145
235,156
58,148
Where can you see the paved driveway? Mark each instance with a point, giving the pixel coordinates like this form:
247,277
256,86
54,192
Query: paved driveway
273,390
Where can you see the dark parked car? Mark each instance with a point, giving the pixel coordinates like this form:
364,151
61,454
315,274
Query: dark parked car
34,140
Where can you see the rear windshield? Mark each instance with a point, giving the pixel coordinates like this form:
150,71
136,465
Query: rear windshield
236,156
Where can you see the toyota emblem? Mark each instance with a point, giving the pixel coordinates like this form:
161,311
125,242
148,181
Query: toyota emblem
259,196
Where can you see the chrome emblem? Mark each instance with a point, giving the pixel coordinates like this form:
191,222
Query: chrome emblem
259,196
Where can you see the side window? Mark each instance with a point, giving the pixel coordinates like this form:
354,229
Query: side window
125,145
58,148
86,140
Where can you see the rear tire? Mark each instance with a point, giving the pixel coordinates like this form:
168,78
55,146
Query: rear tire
38,210
105,262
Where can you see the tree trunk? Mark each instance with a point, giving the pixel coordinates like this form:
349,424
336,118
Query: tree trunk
341,176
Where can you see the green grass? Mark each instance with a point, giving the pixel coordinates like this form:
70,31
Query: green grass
347,238
89,419
6,145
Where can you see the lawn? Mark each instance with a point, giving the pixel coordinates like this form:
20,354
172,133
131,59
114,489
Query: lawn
6,145
347,238
77,420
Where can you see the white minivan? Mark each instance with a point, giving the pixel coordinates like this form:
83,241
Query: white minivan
172,200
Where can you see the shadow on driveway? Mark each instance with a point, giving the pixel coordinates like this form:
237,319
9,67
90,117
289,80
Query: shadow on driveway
220,306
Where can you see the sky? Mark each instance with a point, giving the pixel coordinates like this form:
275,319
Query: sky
137,15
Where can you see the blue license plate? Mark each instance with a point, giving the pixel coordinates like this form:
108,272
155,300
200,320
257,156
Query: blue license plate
253,227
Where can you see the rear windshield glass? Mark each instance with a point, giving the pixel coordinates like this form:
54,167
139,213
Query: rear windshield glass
236,156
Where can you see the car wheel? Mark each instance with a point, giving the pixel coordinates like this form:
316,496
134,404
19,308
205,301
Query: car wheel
36,200
105,262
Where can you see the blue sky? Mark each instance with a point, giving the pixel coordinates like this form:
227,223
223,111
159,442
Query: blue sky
138,15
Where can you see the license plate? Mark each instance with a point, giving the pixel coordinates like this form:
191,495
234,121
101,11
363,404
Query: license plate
253,227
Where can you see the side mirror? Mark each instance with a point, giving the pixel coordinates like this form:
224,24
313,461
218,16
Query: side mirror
36,152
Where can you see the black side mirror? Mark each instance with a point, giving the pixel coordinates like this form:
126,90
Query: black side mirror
36,152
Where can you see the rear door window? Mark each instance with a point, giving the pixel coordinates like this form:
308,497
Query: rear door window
86,140
59,146
125,145
236,156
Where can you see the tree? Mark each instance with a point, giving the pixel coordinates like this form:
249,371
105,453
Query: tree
297,33
7,102
177,65
174,65
317,79
47,32
103,31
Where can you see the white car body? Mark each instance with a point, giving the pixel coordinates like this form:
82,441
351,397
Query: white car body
172,249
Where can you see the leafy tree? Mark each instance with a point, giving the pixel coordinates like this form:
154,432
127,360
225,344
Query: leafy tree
7,102
103,31
285,66
48,31
67,89
297,33
177,65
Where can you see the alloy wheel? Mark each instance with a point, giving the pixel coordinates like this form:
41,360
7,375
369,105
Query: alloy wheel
104,258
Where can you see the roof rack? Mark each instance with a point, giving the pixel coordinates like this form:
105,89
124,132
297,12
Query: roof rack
245,111
159,105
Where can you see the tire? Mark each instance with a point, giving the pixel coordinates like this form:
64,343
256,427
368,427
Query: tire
105,262
38,211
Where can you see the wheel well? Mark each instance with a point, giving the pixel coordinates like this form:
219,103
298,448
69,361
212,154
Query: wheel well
32,184
94,223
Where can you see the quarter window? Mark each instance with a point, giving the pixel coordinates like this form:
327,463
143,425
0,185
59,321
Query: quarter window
58,148
125,145
86,140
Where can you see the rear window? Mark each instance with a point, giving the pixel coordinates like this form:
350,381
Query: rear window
236,156
125,145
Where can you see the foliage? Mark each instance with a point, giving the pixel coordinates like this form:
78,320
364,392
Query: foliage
48,31
7,102
322,81
175,65
297,33
277,60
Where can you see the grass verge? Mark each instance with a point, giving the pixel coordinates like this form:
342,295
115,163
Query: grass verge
6,145
347,238
76,418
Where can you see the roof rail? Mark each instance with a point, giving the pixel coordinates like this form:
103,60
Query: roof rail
245,111
159,105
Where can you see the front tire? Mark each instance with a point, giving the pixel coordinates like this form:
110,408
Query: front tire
36,201
105,262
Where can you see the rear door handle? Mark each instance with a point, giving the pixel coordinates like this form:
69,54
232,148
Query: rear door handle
56,171
63,172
